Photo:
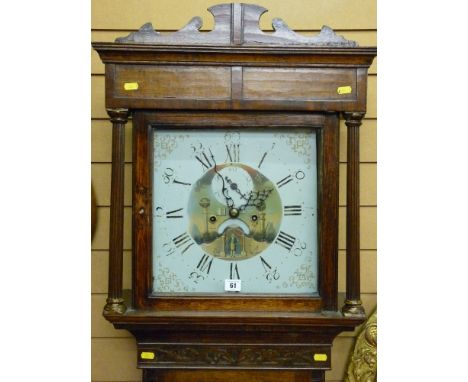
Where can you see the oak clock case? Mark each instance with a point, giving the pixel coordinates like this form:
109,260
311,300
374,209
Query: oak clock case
235,180
225,205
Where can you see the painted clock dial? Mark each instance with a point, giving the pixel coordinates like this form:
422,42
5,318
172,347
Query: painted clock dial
235,204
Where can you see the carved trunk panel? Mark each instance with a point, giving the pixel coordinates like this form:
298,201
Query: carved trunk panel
234,356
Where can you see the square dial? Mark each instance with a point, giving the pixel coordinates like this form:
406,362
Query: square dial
237,204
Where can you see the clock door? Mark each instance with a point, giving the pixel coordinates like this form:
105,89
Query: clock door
228,213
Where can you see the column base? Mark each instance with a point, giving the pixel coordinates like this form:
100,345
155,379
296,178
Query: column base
353,308
114,306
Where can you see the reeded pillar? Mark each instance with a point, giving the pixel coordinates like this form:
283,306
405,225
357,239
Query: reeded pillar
115,303
353,304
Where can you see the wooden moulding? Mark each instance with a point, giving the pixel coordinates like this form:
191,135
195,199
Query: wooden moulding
277,56
266,322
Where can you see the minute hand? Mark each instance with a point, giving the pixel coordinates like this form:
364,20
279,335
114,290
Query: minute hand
229,201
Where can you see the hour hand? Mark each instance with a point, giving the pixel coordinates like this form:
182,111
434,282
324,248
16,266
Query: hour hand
233,186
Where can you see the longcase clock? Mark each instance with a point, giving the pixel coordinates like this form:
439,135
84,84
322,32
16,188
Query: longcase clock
235,196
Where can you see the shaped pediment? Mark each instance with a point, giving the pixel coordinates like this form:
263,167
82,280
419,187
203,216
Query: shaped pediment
236,24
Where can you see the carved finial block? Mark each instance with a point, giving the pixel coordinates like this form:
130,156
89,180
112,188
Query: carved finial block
236,24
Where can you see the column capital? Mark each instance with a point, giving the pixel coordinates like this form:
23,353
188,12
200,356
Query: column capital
353,118
119,115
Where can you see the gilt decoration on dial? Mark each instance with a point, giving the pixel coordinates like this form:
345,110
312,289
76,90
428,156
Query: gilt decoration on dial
234,204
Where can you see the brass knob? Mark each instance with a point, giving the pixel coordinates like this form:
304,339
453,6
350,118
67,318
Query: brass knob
233,212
